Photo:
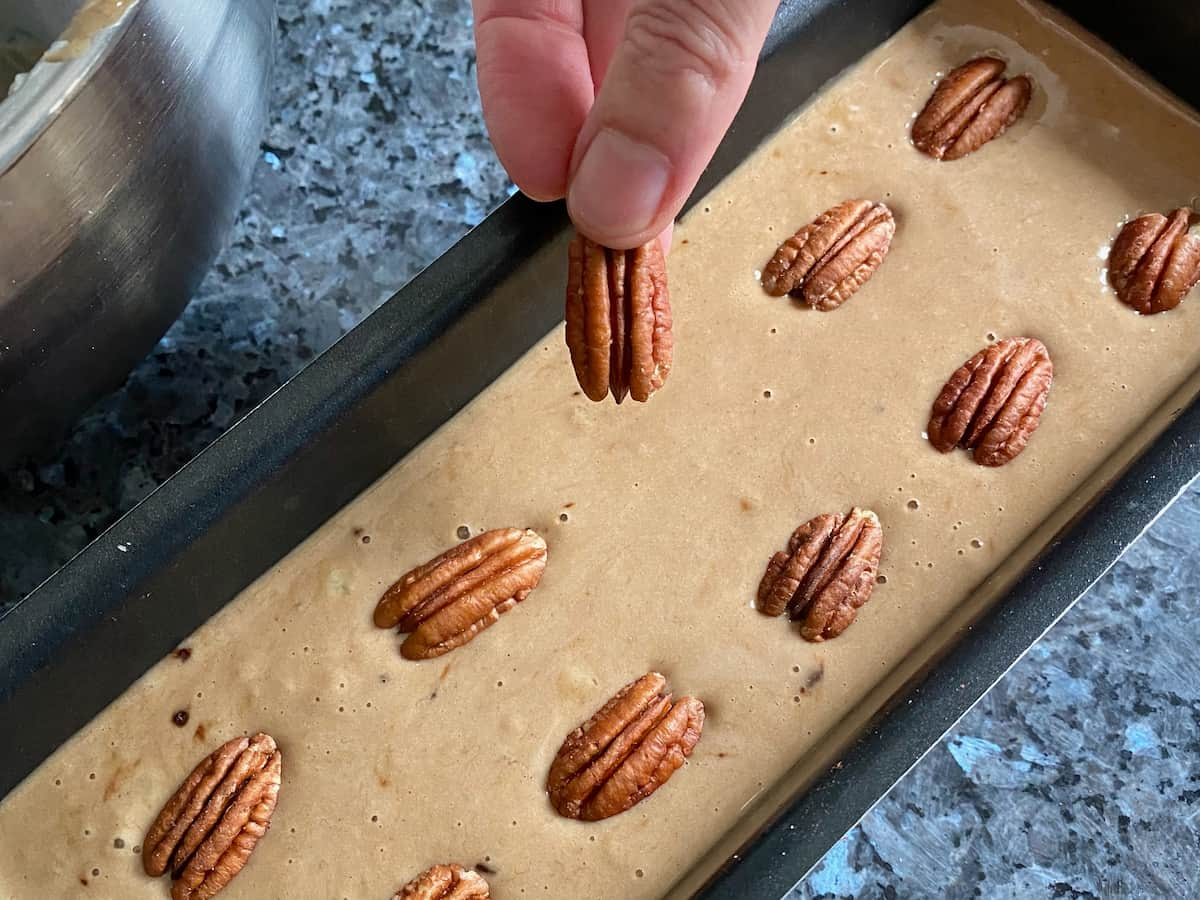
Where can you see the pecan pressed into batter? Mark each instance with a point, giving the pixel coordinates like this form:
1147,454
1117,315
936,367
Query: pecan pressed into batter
449,600
973,104
625,752
445,882
828,260
1154,261
827,573
993,402
210,826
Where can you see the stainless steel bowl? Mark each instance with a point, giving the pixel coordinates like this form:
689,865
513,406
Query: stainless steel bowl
124,154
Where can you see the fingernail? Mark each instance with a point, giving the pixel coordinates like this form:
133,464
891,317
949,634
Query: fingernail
618,188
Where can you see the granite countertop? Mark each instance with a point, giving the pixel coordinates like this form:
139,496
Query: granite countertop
1074,777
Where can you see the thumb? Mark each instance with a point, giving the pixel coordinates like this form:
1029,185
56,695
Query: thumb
674,84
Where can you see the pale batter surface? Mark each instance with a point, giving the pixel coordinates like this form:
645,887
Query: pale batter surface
660,518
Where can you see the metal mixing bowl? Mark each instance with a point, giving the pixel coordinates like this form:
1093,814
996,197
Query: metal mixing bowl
124,155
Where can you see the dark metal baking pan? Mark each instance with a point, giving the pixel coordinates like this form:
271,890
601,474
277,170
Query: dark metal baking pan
86,634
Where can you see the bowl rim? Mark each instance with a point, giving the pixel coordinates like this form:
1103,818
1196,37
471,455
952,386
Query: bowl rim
52,84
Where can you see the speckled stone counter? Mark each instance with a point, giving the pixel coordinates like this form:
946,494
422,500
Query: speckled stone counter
1075,777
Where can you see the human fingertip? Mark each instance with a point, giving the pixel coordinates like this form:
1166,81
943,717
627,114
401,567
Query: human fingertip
617,194
540,196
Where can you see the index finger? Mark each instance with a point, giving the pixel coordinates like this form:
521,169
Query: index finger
536,85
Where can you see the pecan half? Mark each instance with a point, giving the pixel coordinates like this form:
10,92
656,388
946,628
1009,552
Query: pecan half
826,261
994,401
445,882
208,829
446,602
625,752
827,573
618,319
1154,262
971,105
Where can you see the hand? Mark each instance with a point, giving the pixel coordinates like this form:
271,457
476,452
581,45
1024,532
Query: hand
618,105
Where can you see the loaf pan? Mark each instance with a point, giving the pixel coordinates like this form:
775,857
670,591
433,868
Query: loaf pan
92,629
